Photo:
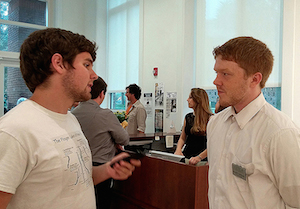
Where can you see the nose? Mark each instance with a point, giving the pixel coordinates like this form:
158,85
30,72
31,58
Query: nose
217,81
94,76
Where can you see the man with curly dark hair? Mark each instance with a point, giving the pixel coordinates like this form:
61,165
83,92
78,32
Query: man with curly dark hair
45,158
136,112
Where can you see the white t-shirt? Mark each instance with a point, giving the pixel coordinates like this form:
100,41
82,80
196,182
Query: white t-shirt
45,159
253,158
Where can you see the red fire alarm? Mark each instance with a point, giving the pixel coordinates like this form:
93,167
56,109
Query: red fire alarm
155,71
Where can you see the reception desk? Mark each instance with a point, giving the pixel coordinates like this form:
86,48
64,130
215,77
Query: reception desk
163,184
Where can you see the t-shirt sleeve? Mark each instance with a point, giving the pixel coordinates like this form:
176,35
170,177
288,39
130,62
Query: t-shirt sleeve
13,163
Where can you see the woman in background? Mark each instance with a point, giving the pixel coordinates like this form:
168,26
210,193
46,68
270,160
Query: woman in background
192,141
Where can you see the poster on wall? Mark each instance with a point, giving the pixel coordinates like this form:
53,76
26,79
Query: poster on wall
159,95
159,120
148,103
171,103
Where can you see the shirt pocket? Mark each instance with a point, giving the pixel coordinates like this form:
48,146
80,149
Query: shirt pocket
242,184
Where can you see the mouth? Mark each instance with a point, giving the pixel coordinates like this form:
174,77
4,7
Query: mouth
220,92
90,86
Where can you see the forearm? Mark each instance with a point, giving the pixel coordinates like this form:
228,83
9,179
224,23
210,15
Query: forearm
203,154
181,140
180,144
120,170
100,174
4,199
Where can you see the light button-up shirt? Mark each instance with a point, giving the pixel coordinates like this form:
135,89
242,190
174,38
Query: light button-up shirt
261,144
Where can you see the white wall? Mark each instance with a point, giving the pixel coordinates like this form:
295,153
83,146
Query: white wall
167,44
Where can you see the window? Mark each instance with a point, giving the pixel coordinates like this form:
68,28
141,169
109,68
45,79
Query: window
218,21
122,43
117,100
18,18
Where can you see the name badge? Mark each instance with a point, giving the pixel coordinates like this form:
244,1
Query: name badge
239,171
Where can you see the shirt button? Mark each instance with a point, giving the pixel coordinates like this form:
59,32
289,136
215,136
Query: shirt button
233,119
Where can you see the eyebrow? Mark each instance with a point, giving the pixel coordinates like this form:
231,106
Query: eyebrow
221,70
89,60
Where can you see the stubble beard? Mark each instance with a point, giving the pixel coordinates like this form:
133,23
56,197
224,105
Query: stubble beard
234,98
72,91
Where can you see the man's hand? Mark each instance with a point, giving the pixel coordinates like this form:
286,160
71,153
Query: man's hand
121,170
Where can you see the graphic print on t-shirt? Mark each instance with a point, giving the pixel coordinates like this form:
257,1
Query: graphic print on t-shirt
74,148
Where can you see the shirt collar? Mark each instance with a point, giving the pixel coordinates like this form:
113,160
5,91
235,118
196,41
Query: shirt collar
137,102
248,112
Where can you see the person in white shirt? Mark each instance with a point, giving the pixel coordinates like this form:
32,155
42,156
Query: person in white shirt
45,159
253,148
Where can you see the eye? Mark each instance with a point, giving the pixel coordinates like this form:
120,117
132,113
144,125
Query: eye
87,65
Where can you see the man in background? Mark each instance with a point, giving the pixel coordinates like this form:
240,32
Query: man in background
45,159
135,112
253,148
104,134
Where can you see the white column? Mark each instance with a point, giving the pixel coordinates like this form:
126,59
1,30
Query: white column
290,99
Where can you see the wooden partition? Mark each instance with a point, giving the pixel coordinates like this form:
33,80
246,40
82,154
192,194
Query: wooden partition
163,184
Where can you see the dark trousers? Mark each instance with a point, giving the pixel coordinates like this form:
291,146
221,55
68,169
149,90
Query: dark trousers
103,192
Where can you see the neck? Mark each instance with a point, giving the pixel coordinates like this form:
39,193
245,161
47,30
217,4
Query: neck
52,100
133,101
247,100
98,100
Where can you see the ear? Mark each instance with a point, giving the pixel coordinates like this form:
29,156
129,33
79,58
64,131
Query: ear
57,62
256,79
102,95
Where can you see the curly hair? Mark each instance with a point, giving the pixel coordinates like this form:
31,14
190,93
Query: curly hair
250,54
39,47
202,111
136,90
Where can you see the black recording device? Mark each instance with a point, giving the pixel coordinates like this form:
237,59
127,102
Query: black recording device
132,155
